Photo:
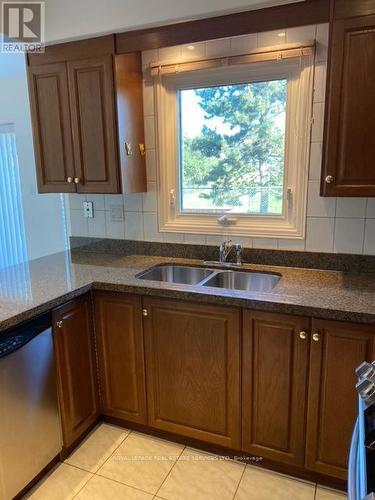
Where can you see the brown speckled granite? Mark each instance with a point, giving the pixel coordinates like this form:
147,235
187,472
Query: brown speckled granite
29,289
285,258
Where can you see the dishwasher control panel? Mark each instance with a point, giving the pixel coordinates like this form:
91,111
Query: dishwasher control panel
9,345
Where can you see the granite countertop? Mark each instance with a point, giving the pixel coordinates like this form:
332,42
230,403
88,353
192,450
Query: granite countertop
29,289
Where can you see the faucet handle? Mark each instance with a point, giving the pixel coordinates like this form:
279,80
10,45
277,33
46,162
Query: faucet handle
223,250
224,245
238,248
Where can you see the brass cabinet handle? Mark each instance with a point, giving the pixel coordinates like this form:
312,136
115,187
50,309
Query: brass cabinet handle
77,180
69,180
59,324
144,312
316,337
329,179
303,335
142,149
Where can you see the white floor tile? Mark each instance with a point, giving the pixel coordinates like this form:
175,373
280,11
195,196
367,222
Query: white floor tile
97,447
202,476
258,484
133,466
63,483
100,488
142,461
328,494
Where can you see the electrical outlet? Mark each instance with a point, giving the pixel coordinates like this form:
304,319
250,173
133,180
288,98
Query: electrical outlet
88,209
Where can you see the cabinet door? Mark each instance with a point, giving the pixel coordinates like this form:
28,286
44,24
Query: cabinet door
333,405
129,93
349,155
49,101
348,8
193,370
274,385
92,104
119,333
76,370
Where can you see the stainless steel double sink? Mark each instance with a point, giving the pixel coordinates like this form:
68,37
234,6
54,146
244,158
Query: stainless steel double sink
258,281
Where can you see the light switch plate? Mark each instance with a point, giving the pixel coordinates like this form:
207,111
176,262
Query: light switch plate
88,209
117,213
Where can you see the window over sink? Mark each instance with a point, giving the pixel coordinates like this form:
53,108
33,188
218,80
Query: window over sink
233,144
232,148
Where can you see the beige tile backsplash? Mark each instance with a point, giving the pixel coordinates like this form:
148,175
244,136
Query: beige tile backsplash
333,225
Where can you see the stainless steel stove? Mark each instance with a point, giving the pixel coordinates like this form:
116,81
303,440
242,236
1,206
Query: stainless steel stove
361,471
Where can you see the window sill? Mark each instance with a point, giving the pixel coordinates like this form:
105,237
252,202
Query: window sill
239,227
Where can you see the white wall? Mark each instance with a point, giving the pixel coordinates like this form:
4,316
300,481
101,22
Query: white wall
45,230
71,19
342,225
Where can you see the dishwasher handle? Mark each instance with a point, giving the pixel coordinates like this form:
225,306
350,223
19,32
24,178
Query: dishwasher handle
15,338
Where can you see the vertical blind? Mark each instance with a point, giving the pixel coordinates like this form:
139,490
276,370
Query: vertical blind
15,281
12,228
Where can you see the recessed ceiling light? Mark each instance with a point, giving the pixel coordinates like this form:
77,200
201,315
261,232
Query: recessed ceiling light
281,34
190,47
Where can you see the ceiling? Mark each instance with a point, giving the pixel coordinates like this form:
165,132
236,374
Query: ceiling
74,19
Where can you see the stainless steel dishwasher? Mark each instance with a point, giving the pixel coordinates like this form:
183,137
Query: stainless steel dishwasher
30,433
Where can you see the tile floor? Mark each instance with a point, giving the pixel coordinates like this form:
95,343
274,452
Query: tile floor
113,463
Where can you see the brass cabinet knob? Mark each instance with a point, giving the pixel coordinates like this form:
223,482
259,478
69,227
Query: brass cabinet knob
59,324
316,337
329,179
303,335
142,149
69,180
77,180
144,312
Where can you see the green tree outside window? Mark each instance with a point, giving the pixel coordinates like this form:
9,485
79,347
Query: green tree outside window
236,161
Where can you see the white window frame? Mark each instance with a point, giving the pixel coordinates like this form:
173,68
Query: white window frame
291,224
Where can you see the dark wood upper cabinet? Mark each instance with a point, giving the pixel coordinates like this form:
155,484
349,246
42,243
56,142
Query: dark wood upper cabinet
129,99
193,370
91,91
349,154
337,350
49,101
350,8
76,368
274,386
119,338
86,103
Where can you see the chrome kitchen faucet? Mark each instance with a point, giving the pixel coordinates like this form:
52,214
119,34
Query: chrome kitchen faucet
226,248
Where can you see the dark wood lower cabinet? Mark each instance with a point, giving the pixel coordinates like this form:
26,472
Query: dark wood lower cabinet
193,370
337,350
175,367
76,368
120,355
274,386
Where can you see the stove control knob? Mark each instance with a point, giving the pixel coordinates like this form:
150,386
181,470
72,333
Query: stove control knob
366,371
366,390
